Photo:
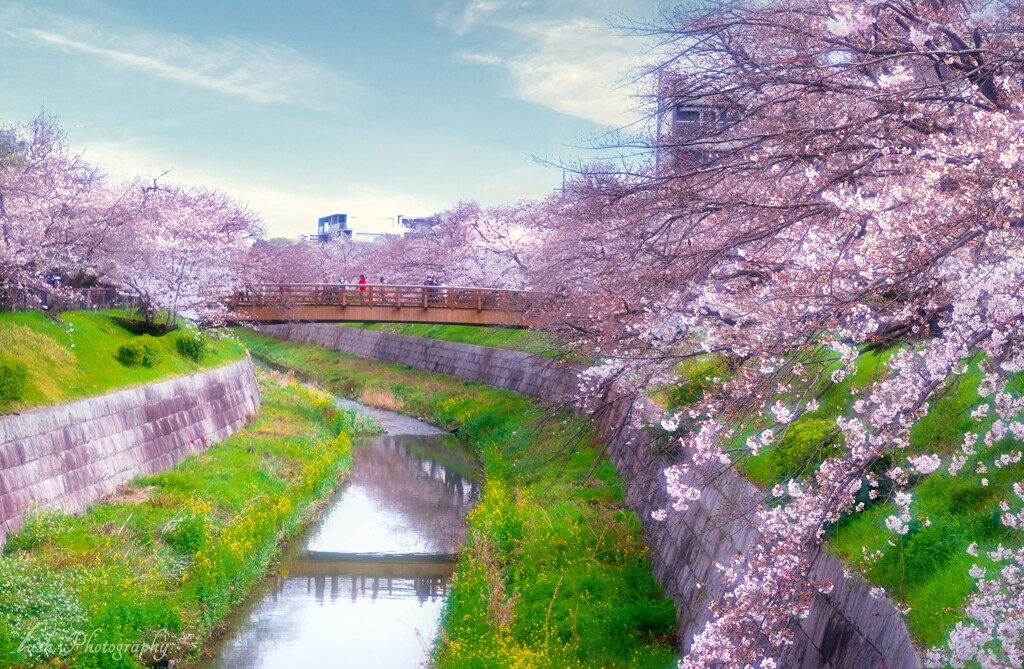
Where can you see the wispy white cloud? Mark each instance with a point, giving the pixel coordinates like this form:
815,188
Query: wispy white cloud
260,72
576,67
479,58
233,82
567,58
461,18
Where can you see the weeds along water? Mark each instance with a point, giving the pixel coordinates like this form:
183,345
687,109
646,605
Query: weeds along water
554,572
146,575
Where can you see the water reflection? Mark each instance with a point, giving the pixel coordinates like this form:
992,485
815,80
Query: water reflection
402,498
367,587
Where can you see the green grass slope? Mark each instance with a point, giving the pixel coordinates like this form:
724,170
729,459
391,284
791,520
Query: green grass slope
76,356
528,341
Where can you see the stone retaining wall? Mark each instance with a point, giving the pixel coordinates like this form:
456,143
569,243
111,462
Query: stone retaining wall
68,455
846,628
524,373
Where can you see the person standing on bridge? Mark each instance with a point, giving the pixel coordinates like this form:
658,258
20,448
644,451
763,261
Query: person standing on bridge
432,293
362,288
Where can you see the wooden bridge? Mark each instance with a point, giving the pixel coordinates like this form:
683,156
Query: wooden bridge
322,563
383,303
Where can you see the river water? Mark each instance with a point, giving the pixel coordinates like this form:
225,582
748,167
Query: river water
365,587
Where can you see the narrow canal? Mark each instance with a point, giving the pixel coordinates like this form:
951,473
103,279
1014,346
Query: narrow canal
365,587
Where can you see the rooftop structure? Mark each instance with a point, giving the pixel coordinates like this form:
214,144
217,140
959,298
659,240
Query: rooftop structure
332,227
689,133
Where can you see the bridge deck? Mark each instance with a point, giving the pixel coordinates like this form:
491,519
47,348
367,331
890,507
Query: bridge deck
319,563
383,303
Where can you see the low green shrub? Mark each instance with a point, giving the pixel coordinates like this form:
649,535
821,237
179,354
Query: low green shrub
190,344
189,531
131,353
144,350
154,351
806,443
13,378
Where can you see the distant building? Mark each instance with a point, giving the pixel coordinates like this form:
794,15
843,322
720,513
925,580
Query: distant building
332,227
689,133
419,224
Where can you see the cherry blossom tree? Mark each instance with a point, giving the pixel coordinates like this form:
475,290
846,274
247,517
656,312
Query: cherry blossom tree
175,248
287,261
187,250
57,214
468,246
844,175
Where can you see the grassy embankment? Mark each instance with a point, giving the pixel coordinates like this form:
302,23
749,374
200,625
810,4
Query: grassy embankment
513,339
555,571
928,567
76,356
164,560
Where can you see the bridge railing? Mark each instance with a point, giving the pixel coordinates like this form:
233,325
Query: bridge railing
384,295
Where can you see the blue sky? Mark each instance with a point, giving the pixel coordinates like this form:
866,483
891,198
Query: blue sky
307,108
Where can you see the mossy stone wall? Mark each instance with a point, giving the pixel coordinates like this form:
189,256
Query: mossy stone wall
68,455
